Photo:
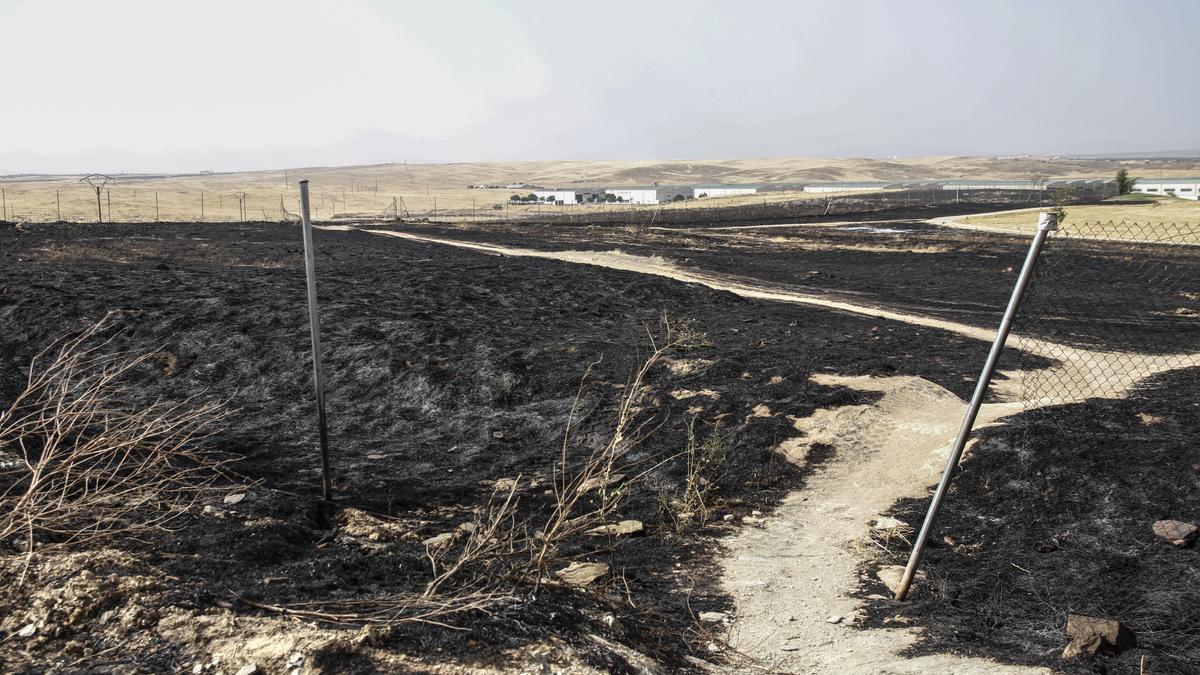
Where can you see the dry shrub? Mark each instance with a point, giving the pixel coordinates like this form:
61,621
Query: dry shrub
605,470
78,464
501,554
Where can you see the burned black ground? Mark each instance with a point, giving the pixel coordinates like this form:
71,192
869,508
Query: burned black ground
1051,515
447,371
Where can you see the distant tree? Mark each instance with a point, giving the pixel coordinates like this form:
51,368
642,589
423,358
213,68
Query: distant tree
515,198
531,197
677,198
610,197
1124,182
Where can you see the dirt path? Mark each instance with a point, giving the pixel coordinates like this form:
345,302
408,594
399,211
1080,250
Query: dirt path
792,576
726,228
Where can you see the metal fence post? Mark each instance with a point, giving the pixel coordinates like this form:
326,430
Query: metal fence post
1047,222
314,322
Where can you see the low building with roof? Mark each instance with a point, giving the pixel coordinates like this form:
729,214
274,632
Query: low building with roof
635,195
851,186
702,191
1184,188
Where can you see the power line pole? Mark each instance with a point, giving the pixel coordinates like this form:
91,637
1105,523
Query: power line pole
58,204
98,181
157,219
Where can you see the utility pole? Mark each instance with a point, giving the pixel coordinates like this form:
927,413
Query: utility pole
108,198
156,216
58,204
202,206
4,199
98,181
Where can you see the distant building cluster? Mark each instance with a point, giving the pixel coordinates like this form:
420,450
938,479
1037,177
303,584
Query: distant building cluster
659,194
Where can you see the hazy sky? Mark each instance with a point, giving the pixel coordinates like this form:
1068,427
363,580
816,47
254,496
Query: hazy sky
164,85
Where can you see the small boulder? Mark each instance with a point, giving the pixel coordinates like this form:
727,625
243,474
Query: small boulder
834,619
625,527
713,617
886,523
27,631
1176,532
439,540
582,573
235,498
248,669
891,575
1089,634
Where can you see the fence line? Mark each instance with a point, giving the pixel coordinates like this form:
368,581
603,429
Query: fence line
136,205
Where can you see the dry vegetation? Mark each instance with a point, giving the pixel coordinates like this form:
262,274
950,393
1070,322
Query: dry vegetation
77,466
1125,216
423,189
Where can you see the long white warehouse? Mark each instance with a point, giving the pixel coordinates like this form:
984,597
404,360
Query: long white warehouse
637,195
1184,188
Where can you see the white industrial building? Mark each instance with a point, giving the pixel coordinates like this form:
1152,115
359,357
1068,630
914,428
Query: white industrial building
850,186
1184,188
635,195
702,191
556,196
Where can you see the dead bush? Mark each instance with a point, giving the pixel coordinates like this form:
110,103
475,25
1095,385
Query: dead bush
78,463
605,471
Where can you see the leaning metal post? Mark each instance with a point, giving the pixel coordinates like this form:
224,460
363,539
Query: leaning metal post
1047,222
314,321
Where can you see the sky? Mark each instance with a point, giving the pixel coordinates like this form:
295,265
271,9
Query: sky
173,86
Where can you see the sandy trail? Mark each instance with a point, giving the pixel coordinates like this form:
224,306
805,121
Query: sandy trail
790,576
772,226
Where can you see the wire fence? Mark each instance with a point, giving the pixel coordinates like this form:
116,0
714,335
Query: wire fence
1113,304
131,205
1092,494
136,205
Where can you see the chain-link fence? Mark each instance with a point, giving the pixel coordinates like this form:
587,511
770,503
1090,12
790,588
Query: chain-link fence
1113,304
1070,530
123,203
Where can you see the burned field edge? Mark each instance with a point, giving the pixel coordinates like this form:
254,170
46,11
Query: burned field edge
1148,300
448,371
1051,514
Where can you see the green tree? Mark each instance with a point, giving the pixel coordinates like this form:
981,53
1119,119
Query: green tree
1124,182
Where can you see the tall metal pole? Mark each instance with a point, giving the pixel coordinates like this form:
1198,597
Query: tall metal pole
314,322
58,204
1046,223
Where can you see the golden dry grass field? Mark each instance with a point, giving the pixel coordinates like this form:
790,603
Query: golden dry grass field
1118,218
442,189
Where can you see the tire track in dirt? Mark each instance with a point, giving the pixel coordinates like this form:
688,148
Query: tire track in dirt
789,578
